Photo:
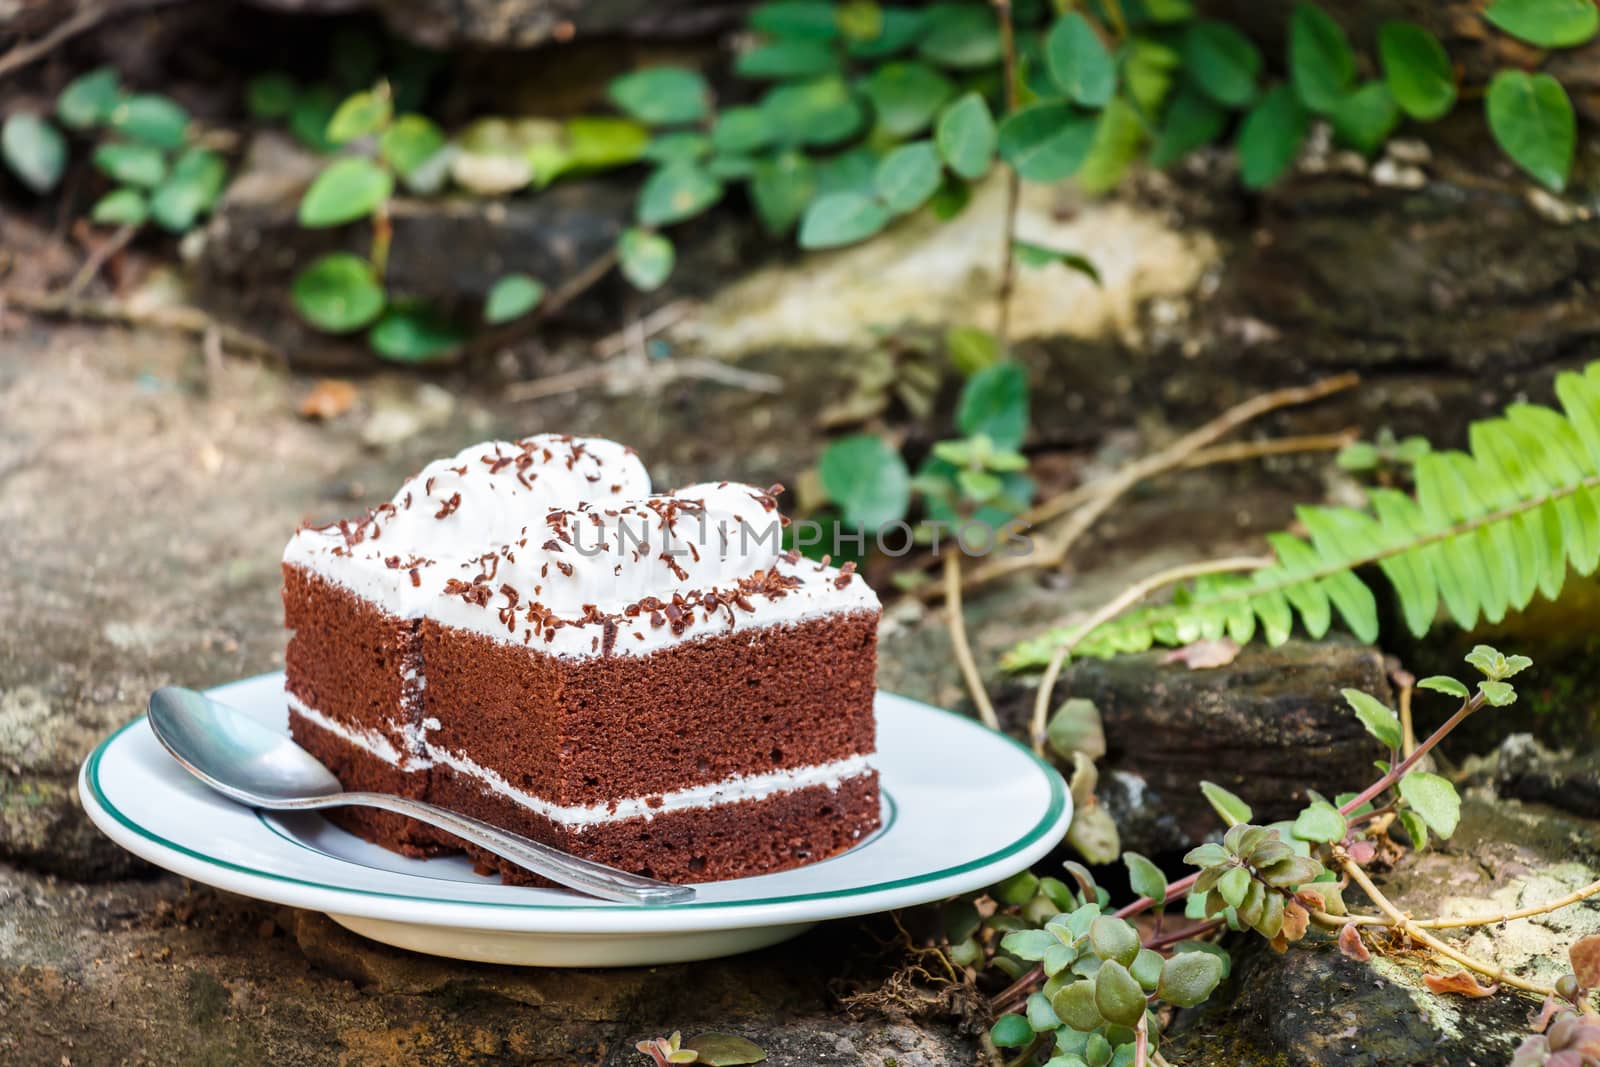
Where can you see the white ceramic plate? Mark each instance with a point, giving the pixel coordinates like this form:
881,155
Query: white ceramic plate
963,808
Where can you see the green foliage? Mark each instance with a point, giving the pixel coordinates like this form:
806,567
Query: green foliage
131,163
908,176
675,192
1417,70
1270,137
1533,122
646,258
841,219
414,332
1546,23
1079,63
347,189
1434,799
1223,62
89,99
1322,66
867,478
1230,807
965,134
512,297
361,115
409,142
151,118
34,150
338,293
191,189
724,1050
662,96
995,403
1485,532
121,207
1378,719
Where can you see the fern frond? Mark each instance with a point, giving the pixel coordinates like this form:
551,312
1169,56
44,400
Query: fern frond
1487,531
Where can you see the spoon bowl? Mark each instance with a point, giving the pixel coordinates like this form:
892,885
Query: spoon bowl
260,768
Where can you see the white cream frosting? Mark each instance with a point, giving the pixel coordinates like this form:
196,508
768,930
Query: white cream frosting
554,541
729,790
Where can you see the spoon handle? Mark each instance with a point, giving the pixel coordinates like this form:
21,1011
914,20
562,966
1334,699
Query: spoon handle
596,879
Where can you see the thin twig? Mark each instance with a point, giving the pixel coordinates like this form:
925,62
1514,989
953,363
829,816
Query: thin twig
653,375
97,259
189,320
1141,1043
1114,607
1400,769
661,319
958,641
1462,922
81,22
552,305
1400,922
1050,552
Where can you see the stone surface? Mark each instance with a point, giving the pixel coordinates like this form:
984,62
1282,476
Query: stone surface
1269,726
1313,1007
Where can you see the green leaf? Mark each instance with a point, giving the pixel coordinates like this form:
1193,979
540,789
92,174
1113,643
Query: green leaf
1415,829
1231,808
347,189
1192,121
1222,62
679,146
739,130
1079,62
360,115
1270,137
1074,1004
1433,798
781,189
822,111
867,478
1041,1016
1188,978
338,293
1417,70
190,190
908,176
676,192
121,207
1029,945
1011,1031
1440,683
409,142
790,57
1322,67
1320,821
965,135
153,119
1035,255
1018,889
1145,878
961,35
1076,725
811,19
1118,136
971,348
1378,719
1046,142
131,163
1546,23
898,30
1118,994
1497,694
839,219
413,332
1532,121
1364,119
1114,939
89,99
646,258
308,118
599,141
906,95
994,401
724,1050
512,297
1233,885
662,96
270,96
34,150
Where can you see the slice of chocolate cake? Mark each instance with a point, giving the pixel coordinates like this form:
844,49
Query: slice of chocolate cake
526,634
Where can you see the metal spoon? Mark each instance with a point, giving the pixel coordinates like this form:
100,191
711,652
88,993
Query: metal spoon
258,767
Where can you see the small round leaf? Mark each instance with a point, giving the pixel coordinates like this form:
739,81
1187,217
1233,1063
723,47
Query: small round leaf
646,258
153,119
676,192
511,298
1417,70
662,96
1533,122
413,333
840,219
121,207
338,293
89,99
868,479
34,150
966,136
1118,994
908,176
1188,978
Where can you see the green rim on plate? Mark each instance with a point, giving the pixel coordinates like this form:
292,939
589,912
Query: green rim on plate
1058,800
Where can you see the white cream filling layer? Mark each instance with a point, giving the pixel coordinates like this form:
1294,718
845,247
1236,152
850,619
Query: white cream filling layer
578,816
